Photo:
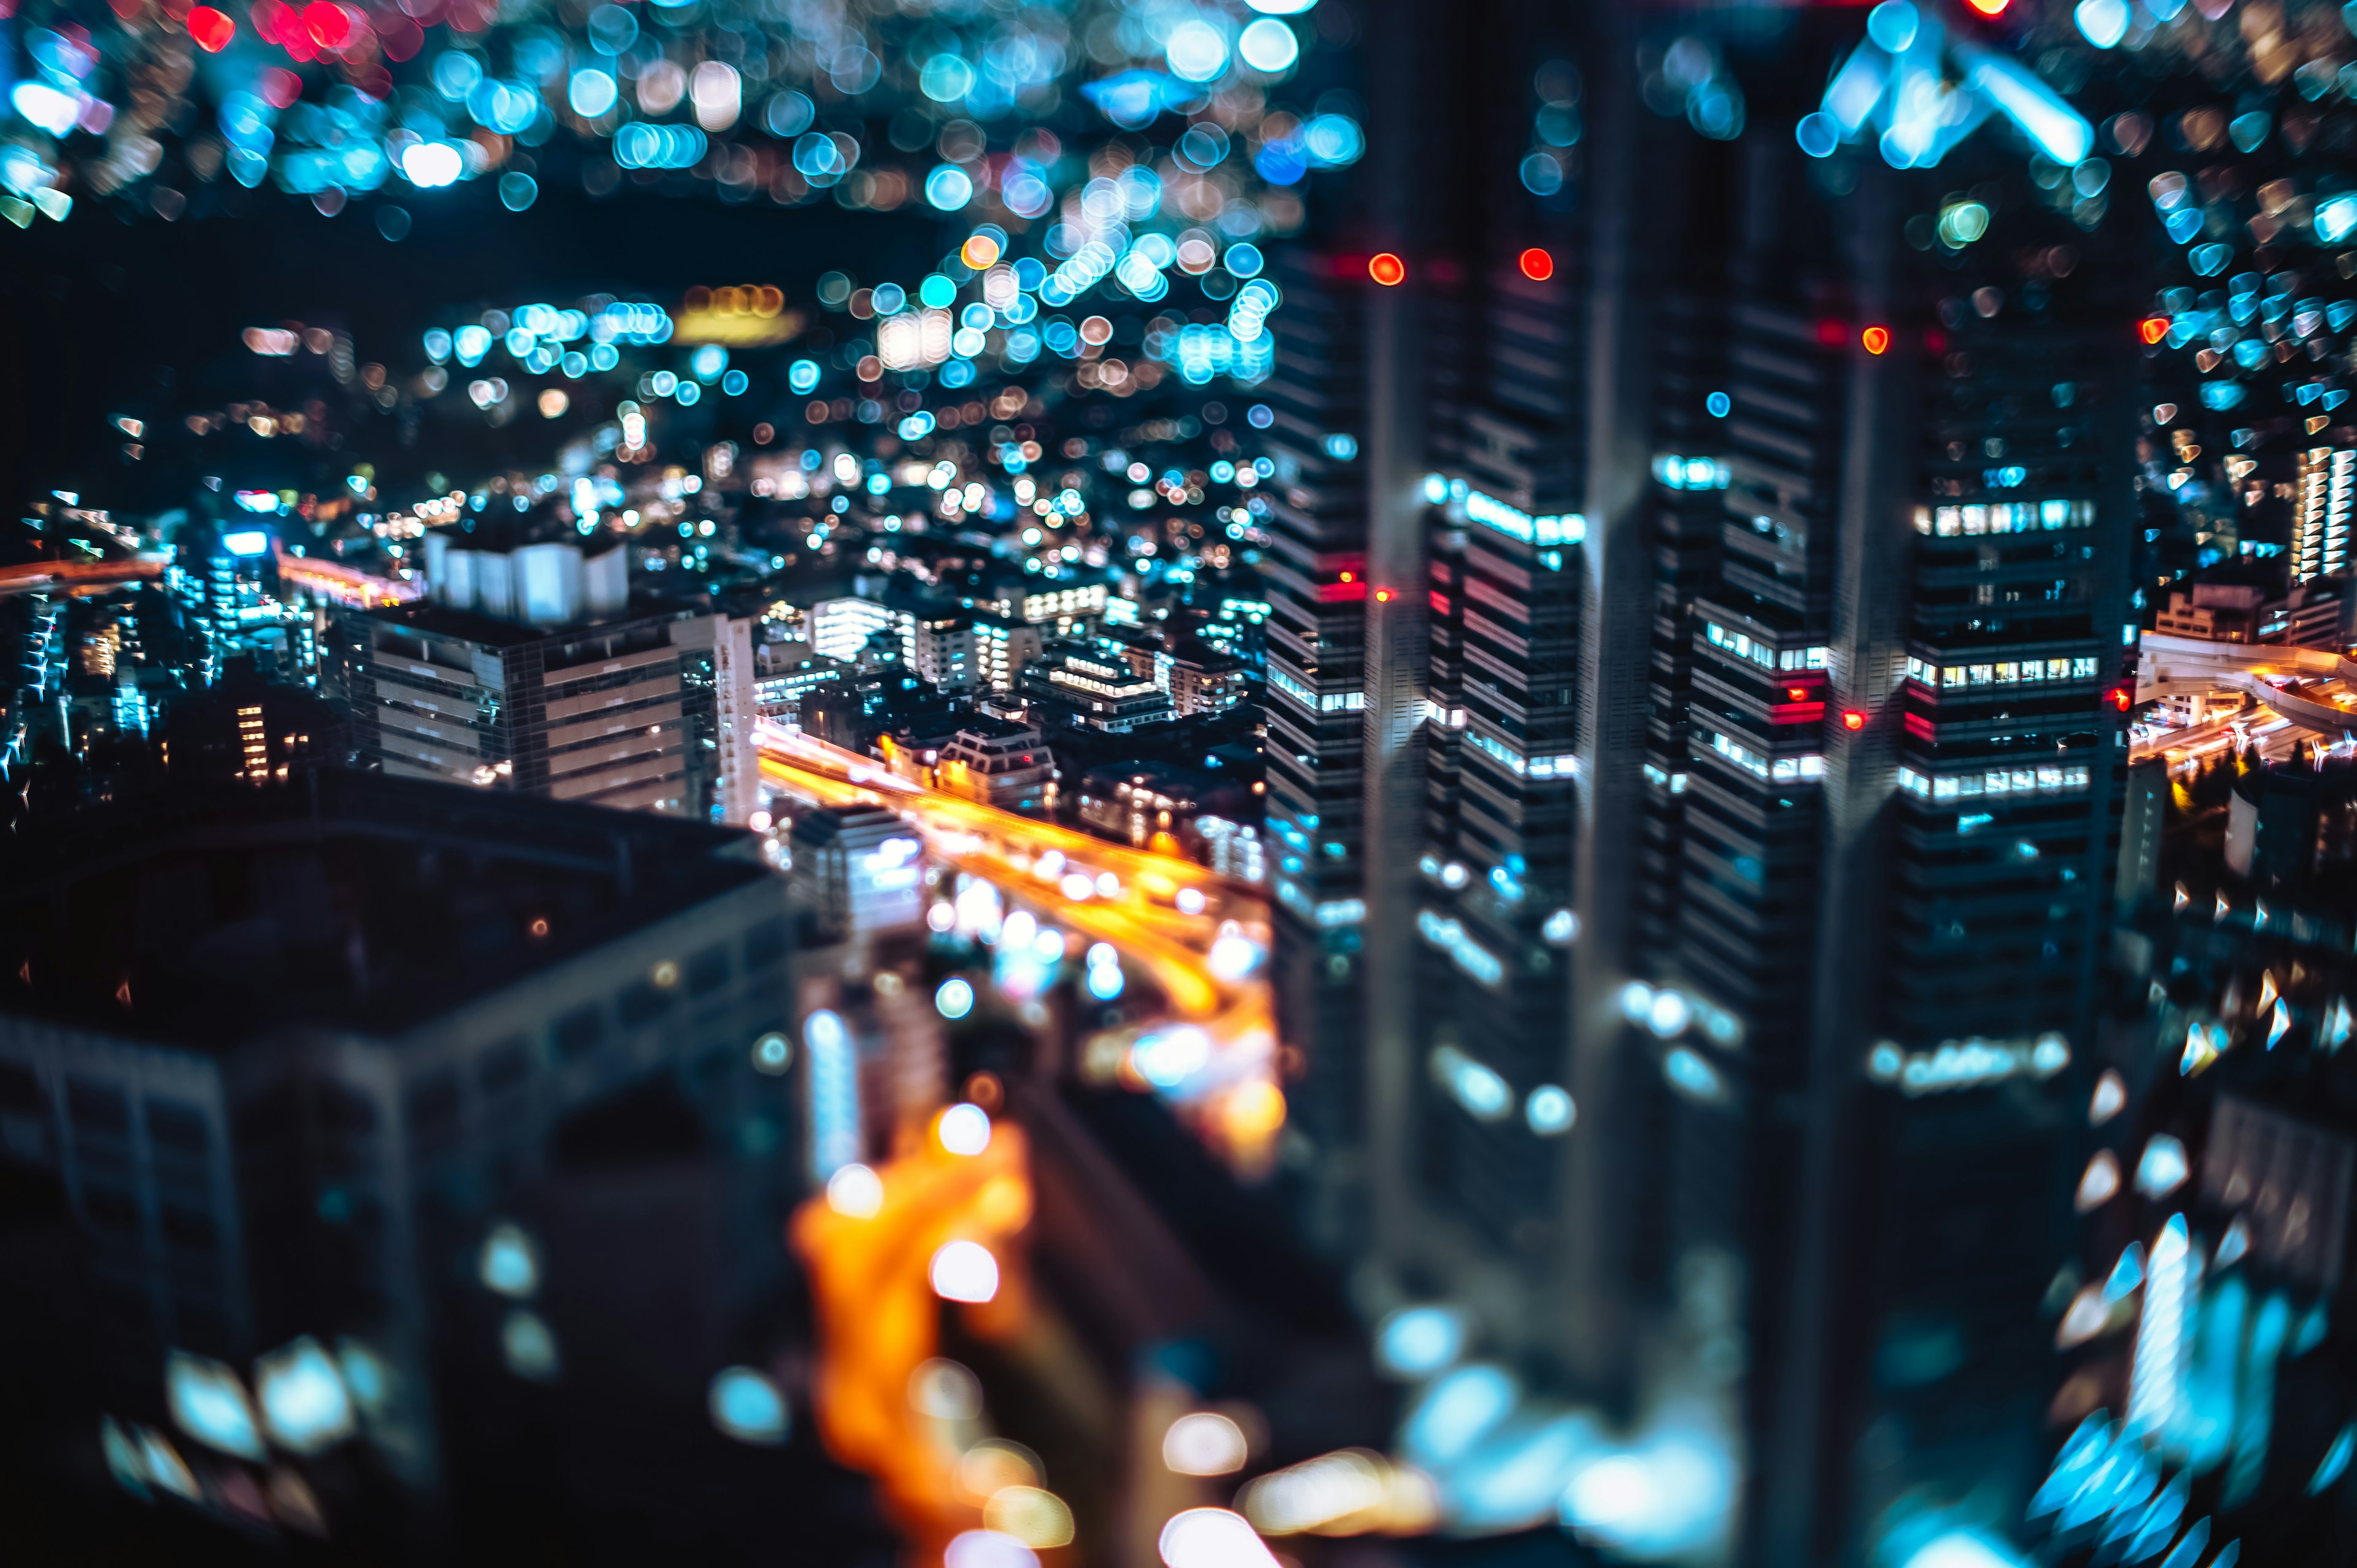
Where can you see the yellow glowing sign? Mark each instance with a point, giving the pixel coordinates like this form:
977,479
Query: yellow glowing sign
753,316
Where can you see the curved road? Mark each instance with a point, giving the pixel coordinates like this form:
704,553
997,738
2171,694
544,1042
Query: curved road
1215,983
2308,689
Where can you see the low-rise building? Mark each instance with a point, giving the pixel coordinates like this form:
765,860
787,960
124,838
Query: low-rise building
1090,684
999,763
786,672
912,748
1177,810
2219,612
246,727
1067,606
1063,608
840,628
2313,614
1201,679
973,651
858,869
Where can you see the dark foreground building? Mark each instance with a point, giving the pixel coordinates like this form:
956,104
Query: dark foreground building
373,1106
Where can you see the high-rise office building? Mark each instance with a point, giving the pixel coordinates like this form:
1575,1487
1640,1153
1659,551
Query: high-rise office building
531,669
1698,851
1513,314
1692,406
1493,916
1757,655
1904,765
1316,577
2325,485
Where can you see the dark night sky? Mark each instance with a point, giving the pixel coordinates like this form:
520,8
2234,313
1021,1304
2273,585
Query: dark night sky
104,310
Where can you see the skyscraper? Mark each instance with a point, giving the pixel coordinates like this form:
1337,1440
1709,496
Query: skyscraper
1770,770
1494,908
2325,482
1316,578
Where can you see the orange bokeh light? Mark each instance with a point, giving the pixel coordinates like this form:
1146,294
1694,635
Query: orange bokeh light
1387,270
1853,720
1989,7
1875,338
879,1316
1537,265
2153,328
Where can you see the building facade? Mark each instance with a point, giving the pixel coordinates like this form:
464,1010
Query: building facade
294,1111
531,669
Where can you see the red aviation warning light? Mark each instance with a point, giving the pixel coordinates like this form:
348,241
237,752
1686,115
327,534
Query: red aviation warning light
329,25
211,30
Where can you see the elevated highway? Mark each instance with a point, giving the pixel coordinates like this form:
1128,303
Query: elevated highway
1201,939
79,576
2294,692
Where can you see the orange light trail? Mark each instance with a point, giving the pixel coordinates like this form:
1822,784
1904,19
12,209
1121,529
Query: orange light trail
77,577
879,1319
344,584
1240,1108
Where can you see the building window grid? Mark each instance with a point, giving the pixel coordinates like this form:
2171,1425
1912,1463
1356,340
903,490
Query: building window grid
2045,778
1765,655
2004,517
1808,768
2001,671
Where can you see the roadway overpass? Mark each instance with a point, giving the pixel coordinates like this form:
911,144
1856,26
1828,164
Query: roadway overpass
328,579
80,577
875,1241
1203,940
344,584
2310,690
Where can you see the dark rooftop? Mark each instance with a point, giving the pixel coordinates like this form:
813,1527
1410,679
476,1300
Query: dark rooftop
337,899
491,631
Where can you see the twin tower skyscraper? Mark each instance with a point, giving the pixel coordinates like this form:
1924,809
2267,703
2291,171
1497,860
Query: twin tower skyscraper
1695,757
